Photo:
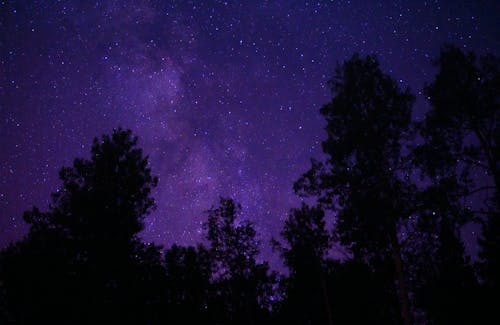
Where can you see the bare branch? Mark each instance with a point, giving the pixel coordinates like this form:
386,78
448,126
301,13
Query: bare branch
483,188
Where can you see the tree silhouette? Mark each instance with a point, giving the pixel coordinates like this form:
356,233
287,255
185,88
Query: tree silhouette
367,119
243,287
107,197
443,278
321,290
145,288
37,276
82,261
461,135
188,286
358,294
83,253
307,243
464,103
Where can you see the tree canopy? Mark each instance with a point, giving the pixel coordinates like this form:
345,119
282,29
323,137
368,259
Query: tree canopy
393,192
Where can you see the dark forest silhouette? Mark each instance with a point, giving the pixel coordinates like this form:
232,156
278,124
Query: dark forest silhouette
399,190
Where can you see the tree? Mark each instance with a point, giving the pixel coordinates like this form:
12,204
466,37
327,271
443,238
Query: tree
461,146
188,286
307,243
464,104
146,283
243,286
321,290
443,278
37,277
85,247
367,120
358,294
463,126
107,197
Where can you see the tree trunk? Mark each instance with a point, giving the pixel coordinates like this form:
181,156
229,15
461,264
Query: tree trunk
325,296
492,161
403,291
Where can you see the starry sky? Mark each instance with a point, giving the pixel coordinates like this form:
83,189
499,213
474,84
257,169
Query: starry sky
224,95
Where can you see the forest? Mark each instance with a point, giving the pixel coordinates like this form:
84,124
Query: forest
399,189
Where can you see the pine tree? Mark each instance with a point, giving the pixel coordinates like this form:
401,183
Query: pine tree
367,120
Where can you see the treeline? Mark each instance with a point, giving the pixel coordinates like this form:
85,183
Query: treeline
400,190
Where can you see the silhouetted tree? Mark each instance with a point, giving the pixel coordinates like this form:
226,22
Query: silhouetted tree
367,120
358,294
188,287
106,198
307,242
461,135
463,123
38,278
243,287
321,290
83,255
82,260
443,277
147,284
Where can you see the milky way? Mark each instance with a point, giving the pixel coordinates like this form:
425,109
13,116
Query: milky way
224,96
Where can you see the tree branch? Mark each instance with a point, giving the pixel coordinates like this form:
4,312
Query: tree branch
483,188
476,163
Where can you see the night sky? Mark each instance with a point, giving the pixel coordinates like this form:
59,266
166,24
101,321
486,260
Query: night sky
224,96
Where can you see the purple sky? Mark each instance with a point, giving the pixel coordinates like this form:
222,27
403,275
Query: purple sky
223,95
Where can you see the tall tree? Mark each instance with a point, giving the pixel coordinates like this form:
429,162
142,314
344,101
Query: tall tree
106,198
307,243
463,123
37,275
443,278
244,287
86,243
442,275
188,286
461,146
358,294
367,120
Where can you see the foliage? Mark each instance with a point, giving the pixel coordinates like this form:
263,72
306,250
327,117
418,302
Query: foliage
243,286
367,120
82,260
